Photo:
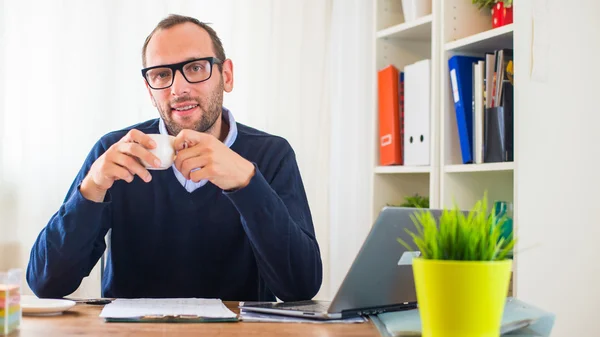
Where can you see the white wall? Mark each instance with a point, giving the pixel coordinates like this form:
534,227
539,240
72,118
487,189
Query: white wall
558,174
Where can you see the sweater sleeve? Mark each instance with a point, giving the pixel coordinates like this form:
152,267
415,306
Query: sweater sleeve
72,242
278,222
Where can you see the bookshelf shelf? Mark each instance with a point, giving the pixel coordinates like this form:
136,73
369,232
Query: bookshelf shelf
418,30
497,38
488,167
402,169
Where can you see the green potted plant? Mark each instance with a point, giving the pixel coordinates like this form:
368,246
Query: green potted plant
416,201
462,274
502,10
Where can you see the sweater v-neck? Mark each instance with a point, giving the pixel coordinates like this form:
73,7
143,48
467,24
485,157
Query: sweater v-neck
176,191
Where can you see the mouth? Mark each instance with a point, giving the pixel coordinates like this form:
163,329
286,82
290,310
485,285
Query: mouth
184,109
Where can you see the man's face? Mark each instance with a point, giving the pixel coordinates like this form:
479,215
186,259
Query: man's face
185,105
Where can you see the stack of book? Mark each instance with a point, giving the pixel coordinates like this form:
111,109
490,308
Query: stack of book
482,90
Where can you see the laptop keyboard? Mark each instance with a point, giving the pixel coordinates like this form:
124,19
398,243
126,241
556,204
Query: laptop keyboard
314,306
308,306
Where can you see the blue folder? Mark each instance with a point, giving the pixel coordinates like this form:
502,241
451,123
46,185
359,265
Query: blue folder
461,80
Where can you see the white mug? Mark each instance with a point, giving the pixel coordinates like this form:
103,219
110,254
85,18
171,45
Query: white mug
164,150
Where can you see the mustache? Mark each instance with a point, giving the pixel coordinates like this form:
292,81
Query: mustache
185,99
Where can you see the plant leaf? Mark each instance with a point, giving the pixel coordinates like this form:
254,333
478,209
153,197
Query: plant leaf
474,236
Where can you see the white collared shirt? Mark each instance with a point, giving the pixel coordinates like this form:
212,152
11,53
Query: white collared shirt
189,185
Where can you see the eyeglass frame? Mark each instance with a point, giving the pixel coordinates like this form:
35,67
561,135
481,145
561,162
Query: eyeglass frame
179,66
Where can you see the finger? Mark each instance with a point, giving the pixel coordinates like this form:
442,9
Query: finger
188,138
206,172
117,172
192,164
137,136
136,150
132,165
192,152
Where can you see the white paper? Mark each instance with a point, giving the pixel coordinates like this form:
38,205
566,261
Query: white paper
140,307
454,85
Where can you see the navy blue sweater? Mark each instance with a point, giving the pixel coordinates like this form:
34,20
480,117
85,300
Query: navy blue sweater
250,244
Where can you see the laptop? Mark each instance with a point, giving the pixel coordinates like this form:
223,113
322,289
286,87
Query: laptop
379,280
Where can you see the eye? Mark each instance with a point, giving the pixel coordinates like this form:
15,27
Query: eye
160,74
163,74
196,67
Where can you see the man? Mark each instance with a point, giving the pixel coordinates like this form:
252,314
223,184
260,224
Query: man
228,220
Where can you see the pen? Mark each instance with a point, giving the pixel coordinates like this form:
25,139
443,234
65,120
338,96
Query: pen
92,301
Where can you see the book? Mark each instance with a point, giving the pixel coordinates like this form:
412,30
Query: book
478,110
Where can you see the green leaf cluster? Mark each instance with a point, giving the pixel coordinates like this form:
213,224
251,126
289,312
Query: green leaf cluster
475,236
490,3
415,201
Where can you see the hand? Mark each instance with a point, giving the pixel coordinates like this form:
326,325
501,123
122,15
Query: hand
119,162
202,156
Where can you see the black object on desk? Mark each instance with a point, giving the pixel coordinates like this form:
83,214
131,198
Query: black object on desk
92,301
98,301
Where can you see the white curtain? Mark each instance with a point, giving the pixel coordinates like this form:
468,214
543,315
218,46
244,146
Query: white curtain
283,77
70,73
352,132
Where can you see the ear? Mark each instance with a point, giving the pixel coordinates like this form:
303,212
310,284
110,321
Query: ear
227,75
150,93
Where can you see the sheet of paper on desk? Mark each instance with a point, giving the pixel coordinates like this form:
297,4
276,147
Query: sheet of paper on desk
140,307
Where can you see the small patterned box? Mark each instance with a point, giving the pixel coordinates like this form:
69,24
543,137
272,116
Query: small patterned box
10,301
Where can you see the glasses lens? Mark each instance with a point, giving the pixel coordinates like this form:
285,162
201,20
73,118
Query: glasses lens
159,78
197,71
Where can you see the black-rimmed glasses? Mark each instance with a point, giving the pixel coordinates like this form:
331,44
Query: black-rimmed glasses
194,71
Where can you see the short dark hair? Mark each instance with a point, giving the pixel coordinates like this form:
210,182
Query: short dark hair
176,19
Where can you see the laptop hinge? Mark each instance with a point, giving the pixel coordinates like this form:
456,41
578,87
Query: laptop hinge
378,310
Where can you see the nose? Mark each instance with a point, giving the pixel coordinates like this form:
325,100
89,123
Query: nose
180,86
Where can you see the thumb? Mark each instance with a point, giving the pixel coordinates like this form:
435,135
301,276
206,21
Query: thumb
188,138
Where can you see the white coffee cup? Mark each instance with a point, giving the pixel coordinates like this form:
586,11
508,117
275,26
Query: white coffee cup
164,150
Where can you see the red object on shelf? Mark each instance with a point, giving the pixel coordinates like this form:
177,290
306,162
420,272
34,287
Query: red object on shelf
390,143
501,15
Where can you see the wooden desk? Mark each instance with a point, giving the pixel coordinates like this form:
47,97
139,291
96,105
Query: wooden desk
83,320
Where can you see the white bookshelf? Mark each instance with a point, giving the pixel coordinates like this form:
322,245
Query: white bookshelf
485,167
417,30
466,30
501,37
402,169
402,43
454,27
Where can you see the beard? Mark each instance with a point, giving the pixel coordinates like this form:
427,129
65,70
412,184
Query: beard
211,109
